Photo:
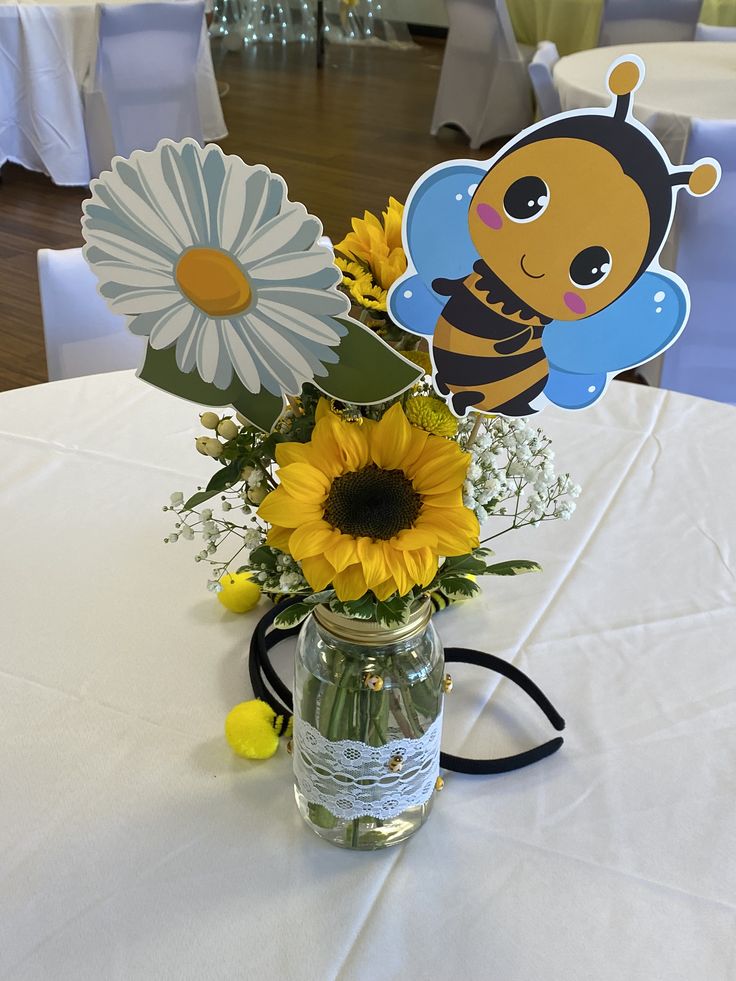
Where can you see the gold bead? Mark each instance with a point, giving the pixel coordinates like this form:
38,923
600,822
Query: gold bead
439,784
289,746
395,764
373,681
447,684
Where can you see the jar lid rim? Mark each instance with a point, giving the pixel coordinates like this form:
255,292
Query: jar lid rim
369,633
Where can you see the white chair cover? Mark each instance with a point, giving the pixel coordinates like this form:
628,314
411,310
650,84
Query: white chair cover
709,32
703,360
484,87
639,21
540,72
144,87
82,336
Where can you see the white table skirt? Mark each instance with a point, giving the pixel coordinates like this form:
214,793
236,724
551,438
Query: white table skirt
684,81
133,844
46,51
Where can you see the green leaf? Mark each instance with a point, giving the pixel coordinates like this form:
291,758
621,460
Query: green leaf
360,609
225,476
459,587
516,567
394,611
322,597
291,616
160,369
369,370
469,564
263,556
199,498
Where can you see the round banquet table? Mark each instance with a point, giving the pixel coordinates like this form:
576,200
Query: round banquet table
574,25
684,81
133,844
47,49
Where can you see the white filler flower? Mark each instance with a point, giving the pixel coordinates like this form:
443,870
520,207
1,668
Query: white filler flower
204,252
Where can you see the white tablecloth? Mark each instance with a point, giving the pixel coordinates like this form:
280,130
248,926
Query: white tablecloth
46,51
684,81
134,845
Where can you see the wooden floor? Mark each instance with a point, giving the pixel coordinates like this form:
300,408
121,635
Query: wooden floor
344,138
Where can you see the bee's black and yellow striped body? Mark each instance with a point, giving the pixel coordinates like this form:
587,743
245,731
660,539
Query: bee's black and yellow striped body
487,347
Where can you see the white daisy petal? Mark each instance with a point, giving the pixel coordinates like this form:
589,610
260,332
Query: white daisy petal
242,360
302,323
138,212
319,302
142,301
186,346
171,325
284,351
129,275
235,223
208,351
224,372
292,265
279,233
113,247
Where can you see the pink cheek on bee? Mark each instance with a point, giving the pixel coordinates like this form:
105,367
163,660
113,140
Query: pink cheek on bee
489,216
574,302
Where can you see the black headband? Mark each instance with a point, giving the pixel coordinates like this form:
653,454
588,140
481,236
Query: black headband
271,689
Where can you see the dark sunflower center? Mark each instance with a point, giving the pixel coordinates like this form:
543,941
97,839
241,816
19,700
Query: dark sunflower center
372,502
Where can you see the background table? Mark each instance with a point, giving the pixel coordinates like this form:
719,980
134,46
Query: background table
134,845
684,81
574,25
46,51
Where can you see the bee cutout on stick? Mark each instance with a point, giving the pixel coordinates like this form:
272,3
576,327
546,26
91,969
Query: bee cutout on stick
537,273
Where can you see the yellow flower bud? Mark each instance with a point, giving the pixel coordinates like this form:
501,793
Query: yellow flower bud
209,420
227,429
257,494
213,447
201,444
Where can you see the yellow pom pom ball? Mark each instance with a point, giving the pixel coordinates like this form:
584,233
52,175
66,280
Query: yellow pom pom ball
249,730
239,593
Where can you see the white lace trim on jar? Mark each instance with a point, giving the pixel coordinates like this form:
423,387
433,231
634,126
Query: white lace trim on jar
352,779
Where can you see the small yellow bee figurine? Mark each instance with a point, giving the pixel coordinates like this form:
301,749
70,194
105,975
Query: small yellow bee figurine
373,681
439,784
447,684
395,764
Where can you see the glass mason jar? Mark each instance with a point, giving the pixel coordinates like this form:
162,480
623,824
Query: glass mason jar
367,726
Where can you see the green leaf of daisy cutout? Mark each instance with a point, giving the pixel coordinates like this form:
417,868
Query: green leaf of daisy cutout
368,370
160,369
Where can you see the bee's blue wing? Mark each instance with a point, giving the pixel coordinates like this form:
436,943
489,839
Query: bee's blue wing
583,354
437,242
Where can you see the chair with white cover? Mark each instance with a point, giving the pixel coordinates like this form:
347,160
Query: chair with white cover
82,336
144,84
639,21
484,87
540,72
711,32
703,360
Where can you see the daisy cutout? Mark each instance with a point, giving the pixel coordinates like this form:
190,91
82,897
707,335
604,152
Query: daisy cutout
209,259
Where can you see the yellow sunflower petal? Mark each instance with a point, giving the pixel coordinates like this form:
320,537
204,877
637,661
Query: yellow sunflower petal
317,571
280,508
342,552
311,539
421,565
397,566
391,439
287,453
447,499
440,474
350,583
421,536
385,589
353,444
279,537
457,529
323,409
305,483
371,557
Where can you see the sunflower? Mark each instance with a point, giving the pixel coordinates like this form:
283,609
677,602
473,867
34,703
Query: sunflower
207,254
370,507
378,246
